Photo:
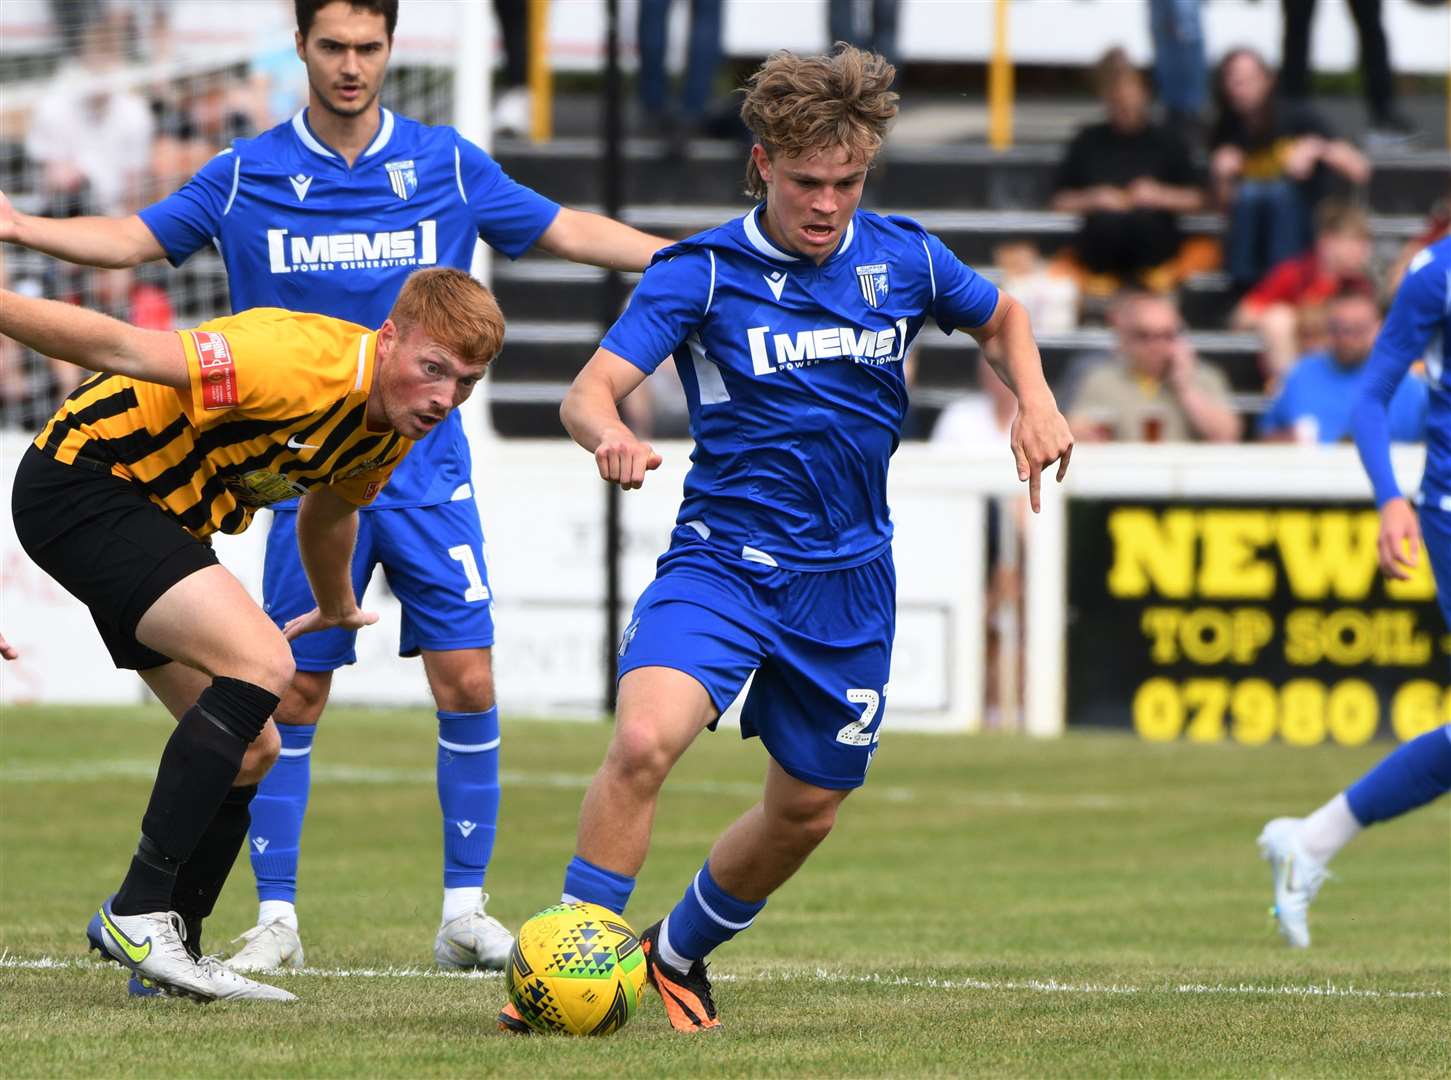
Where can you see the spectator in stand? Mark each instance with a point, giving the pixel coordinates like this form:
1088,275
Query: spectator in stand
867,24
1388,127
1128,178
1180,69
1339,262
1270,163
1315,403
511,101
1050,297
703,57
1438,227
1154,389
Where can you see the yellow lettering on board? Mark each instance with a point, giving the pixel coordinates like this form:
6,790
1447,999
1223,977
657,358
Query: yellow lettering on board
1151,552
1231,564
1328,550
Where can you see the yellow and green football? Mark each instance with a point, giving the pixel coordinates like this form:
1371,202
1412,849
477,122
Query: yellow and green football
576,969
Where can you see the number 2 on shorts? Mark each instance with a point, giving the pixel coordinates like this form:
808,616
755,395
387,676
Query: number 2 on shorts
854,734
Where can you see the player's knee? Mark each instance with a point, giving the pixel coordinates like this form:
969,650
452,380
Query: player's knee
305,699
261,755
639,755
809,818
273,667
470,690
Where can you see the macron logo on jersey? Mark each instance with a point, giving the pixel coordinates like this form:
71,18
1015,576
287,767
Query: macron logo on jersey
288,254
786,352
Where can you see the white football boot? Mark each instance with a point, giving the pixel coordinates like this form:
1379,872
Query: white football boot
1297,876
473,940
153,946
227,985
267,946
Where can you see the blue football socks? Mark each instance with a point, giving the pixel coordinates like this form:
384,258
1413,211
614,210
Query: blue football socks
591,884
468,793
277,812
1410,776
705,917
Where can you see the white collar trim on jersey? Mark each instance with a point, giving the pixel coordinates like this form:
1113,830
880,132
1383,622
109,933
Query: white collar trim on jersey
757,236
311,141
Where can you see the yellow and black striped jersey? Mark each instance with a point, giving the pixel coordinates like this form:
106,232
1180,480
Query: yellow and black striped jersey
276,406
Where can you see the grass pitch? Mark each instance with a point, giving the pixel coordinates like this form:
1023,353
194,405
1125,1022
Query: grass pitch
988,906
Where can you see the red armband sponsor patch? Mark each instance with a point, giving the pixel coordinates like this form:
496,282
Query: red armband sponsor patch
218,372
371,490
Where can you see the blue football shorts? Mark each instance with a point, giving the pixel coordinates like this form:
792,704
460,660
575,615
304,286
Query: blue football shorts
433,558
1436,532
820,644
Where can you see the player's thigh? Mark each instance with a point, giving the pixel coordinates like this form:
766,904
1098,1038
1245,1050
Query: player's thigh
1436,532
208,621
434,559
286,592
819,700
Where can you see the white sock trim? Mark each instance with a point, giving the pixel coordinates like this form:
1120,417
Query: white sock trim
282,911
470,748
695,884
1329,829
296,751
667,953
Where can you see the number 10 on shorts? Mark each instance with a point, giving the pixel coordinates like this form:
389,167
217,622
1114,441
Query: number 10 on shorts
464,556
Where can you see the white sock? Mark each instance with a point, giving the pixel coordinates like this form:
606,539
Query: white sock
1329,829
461,901
282,911
668,955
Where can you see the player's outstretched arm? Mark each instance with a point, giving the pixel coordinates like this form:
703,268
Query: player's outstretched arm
327,529
582,237
94,341
591,415
1040,434
89,241
7,650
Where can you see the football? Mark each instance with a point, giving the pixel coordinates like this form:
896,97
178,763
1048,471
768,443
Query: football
576,969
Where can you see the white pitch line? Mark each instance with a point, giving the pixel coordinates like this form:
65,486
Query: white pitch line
143,769
1037,986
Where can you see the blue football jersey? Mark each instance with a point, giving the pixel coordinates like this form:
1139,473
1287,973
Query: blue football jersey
299,229
793,377
1418,327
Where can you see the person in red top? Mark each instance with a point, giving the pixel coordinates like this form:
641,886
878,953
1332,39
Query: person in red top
1339,262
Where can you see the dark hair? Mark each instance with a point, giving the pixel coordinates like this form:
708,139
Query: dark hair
307,12
1265,118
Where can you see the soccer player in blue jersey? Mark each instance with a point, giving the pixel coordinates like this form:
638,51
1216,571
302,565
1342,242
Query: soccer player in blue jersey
328,213
1417,328
788,327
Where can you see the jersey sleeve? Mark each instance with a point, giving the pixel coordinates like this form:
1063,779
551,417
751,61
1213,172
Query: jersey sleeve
1419,305
187,219
266,364
508,216
961,297
670,302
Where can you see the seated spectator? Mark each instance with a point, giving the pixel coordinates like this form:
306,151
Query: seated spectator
1339,262
1315,403
1270,163
1129,178
1437,227
1050,298
1154,389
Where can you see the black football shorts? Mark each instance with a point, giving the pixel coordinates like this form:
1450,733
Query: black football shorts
106,543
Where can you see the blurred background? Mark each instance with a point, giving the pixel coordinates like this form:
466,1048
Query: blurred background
1198,202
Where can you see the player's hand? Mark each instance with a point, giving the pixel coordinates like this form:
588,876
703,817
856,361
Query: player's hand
315,620
7,650
1399,546
1040,436
623,459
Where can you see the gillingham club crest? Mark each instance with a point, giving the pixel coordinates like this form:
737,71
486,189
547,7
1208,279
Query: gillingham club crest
402,178
873,281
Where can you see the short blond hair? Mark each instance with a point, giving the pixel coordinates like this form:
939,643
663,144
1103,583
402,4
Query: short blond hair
452,309
801,104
